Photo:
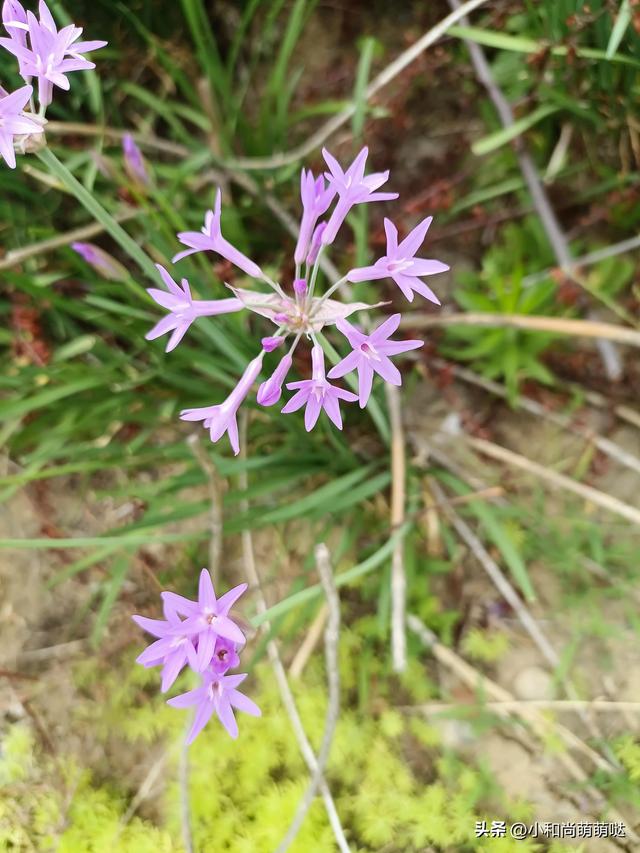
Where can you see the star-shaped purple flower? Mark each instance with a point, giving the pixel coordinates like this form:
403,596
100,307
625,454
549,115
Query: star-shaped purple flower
400,262
217,694
183,309
353,187
317,394
173,649
208,618
14,122
222,418
210,239
316,199
371,355
52,54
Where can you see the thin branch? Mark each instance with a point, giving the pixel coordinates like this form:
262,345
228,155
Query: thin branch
379,82
555,234
145,140
331,637
398,490
539,724
570,705
85,232
274,656
605,445
588,493
215,504
590,258
530,323
310,642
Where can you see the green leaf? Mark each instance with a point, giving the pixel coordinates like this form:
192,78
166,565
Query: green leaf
506,134
619,28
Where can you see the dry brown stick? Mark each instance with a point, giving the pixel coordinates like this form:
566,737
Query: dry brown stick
215,504
553,325
526,619
609,448
561,481
286,694
539,724
332,635
85,232
569,705
310,642
398,488
145,140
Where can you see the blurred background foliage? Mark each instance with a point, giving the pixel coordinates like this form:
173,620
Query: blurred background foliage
89,407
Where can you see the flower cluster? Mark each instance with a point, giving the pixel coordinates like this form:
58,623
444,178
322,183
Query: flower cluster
46,55
298,312
201,635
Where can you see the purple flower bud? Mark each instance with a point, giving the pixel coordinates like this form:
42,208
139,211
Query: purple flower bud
270,391
101,261
281,318
316,242
134,163
269,344
300,287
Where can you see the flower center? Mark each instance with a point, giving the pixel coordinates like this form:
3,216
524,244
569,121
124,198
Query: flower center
369,351
399,265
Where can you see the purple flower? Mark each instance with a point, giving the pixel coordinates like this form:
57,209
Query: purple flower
174,648
371,355
316,243
183,309
218,693
101,261
222,418
14,18
14,122
300,287
271,390
225,656
317,394
400,264
210,239
353,187
272,343
207,618
315,201
52,54
134,162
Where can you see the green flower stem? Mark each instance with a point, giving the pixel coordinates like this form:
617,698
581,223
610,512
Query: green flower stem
373,406
126,243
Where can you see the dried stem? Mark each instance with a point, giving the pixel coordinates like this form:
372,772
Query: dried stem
331,637
569,705
310,642
554,325
274,656
398,489
539,724
555,234
588,493
215,504
605,445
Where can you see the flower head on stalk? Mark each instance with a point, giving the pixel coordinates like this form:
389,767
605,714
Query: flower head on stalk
134,162
298,311
206,640
47,54
400,263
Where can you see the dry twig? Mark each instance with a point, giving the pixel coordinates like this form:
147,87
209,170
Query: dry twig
323,564
274,657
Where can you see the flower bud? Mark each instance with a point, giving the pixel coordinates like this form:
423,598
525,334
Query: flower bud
316,242
270,391
300,287
101,261
269,344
